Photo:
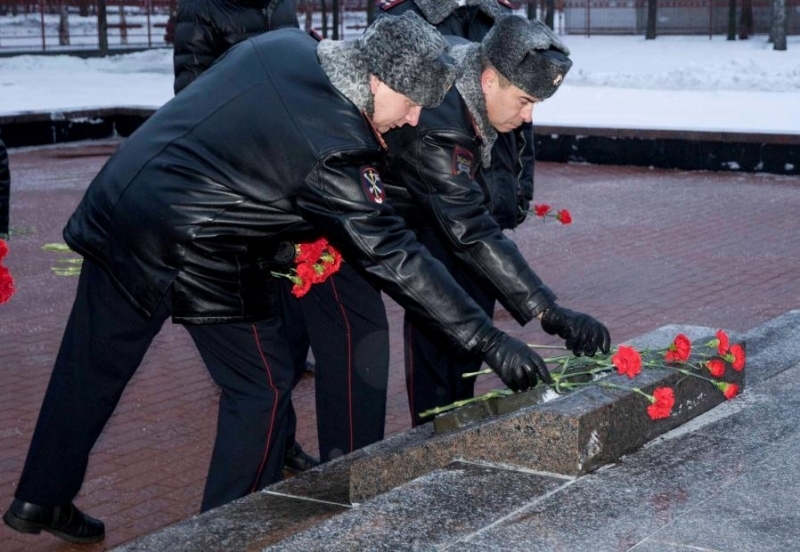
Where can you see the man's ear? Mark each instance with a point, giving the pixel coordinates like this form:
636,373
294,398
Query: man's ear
488,79
374,82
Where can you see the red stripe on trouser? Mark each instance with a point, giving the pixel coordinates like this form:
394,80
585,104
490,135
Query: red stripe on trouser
274,410
349,335
409,363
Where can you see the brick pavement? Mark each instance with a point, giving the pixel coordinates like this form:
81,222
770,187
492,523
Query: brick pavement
647,248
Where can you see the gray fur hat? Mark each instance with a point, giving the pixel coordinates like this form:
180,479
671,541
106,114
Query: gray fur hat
527,53
410,56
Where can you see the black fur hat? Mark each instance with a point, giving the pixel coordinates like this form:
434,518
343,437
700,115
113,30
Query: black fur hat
527,53
410,56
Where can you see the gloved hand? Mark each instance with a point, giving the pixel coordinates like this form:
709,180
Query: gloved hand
581,333
519,366
523,207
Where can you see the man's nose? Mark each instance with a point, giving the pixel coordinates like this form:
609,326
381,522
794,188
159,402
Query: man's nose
413,115
527,113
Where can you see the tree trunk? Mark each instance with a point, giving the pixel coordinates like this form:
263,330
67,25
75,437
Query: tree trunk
123,25
652,14
370,12
335,23
531,9
746,20
324,15
731,19
549,18
777,30
63,25
102,27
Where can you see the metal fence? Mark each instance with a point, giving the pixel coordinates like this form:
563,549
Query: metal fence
100,26
676,17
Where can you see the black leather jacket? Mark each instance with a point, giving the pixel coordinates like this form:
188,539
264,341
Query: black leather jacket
261,149
431,179
5,188
503,192
206,29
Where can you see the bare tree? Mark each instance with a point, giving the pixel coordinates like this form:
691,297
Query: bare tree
549,14
731,19
652,13
63,25
777,30
746,20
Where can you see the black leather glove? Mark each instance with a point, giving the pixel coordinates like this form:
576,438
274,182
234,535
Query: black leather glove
518,365
523,206
581,333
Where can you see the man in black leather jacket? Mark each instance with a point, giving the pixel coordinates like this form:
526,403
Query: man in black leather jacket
5,190
437,180
433,372
206,29
278,141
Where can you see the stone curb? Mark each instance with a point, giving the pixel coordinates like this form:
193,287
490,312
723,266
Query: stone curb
672,149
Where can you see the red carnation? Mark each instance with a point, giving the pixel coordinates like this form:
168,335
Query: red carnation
564,217
541,210
738,357
3,249
722,342
716,366
662,402
628,361
311,252
730,390
6,285
679,350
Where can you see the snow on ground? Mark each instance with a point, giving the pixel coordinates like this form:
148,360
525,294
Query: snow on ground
686,82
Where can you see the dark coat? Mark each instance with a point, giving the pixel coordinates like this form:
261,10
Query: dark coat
262,148
432,179
505,192
206,29
5,188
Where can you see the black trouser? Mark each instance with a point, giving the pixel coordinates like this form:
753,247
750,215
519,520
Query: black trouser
103,345
433,371
343,320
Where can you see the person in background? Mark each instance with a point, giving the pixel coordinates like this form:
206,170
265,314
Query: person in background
434,373
5,191
204,30
439,175
280,140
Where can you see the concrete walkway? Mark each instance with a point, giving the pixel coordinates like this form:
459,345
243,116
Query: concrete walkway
647,248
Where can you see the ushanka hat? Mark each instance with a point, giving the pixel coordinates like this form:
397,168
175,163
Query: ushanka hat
527,53
410,56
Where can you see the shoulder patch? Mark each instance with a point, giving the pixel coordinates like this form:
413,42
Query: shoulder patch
372,185
389,4
463,162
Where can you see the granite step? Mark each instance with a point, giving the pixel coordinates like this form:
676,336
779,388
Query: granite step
406,493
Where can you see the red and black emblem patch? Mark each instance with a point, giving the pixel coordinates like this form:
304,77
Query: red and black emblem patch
463,162
371,182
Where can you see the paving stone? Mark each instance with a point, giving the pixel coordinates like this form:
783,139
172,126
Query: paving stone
248,524
429,512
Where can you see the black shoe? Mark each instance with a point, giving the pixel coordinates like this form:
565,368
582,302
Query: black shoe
296,460
66,522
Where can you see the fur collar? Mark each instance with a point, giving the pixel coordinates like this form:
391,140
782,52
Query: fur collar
436,11
347,70
468,60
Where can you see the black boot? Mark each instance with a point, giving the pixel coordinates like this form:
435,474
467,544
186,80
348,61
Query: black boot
297,460
66,522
